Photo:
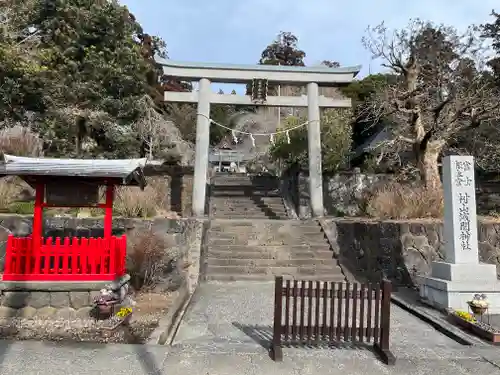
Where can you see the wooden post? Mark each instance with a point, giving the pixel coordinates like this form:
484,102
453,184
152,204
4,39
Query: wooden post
108,214
276,351
37,232
382,347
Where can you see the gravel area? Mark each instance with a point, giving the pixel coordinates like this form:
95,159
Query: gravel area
77,330
149,309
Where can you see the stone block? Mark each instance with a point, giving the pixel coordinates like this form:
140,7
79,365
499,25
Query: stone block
15,299
83,312
46,312
27,312
442,294
93,294
464,272
79,299
59,299
39,299
416,262
21,227
389,229
435,235
7,312
66,313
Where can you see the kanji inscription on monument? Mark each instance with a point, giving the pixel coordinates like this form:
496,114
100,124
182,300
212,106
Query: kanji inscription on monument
460,223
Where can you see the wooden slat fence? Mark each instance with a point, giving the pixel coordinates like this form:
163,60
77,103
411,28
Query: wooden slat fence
314,312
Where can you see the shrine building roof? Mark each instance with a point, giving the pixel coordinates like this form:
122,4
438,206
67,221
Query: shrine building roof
121,171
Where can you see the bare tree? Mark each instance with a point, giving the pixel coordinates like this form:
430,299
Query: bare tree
184,117
161,136
441,91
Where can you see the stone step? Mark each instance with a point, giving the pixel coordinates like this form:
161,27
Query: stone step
311,262
316,255
265,247
295,240
240,194
249,216
225,225
236,176
269,277
247,184
313,270
248,201
244,183
214,242
241,191
247,206
243,177
248,189
284,249
253,215
248,213
248,198
233,232
249,209
244,195
237,233
221,207
260,240
274,252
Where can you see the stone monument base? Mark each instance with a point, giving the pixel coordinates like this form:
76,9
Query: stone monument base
452,285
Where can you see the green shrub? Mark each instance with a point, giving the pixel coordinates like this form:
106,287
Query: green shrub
21,208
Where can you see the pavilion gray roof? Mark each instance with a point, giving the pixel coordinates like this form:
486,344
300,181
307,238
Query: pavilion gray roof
130,171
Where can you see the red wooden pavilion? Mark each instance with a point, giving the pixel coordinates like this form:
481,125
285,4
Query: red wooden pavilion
69,183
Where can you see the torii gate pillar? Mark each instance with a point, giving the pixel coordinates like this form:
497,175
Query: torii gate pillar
314,148
202,145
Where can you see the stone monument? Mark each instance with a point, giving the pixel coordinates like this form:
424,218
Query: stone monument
455,281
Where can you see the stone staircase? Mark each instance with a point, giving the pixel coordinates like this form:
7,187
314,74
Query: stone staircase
238,196
262,249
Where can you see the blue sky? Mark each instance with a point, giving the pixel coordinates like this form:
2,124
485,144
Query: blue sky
236,31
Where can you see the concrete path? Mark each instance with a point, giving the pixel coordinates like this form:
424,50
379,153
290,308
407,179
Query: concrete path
228,313
240,315
220,335
35,358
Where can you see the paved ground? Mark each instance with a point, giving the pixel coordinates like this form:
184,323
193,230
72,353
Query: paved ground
219,337
30,358
219,317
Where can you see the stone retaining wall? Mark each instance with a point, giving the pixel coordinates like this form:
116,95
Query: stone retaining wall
73,299
343,193
400,250
47,300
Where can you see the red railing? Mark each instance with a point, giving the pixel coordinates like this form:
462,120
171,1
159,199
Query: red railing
75,259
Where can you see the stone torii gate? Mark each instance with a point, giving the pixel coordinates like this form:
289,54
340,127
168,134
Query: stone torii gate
205,74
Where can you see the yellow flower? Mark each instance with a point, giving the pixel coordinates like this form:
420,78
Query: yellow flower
124,311
465,316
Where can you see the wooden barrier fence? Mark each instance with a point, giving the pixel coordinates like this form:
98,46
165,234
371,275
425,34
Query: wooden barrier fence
314,312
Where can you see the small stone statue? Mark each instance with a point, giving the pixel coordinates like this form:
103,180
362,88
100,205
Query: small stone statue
117,293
